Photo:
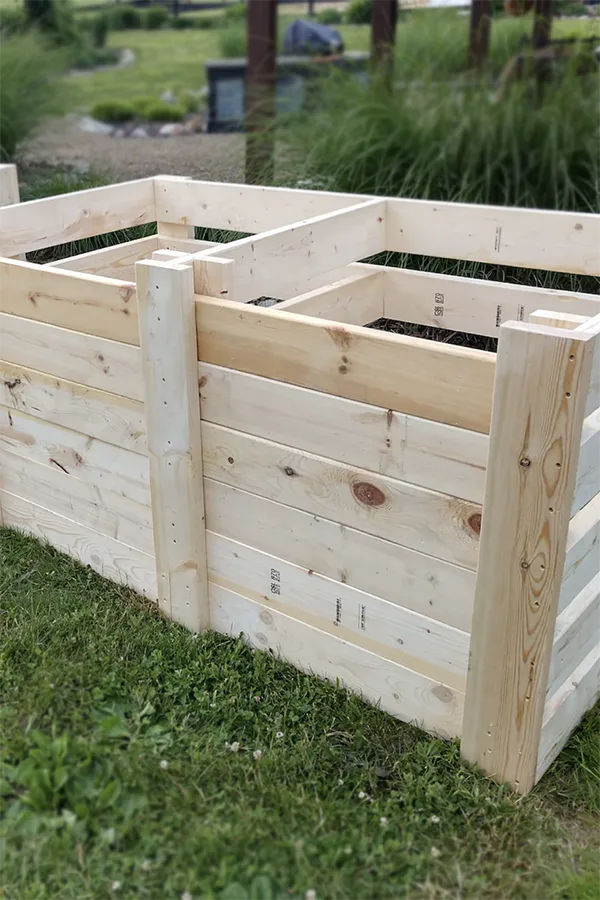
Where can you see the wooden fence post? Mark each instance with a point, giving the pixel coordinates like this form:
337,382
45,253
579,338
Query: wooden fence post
9,189
260,91
542,377
479,32
384,16
172,406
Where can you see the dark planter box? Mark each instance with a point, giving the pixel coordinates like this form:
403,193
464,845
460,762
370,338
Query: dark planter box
227,87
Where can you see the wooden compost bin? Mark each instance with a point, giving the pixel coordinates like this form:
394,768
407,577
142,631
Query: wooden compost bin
287,473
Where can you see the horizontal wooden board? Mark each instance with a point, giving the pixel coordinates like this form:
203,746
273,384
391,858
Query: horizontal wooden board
104,511
58,220
108,417
413,640
97,462
583,552
565,709
558,241
577,632
434,381
471,304
116,261
588,469
268,264
417,518
108,557
356,300
93,361
74,300
422,583
408,695
431,454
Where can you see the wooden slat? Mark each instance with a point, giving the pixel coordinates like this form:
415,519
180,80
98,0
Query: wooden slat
408,695
116,261
427,585
183,245
559,241
93,361
414,517
108,557
269,263
471,304
430,454
568,320
583,552
356,300
423,378
577,632
542,376
116,420
97,462
86,303
566,708
588,471
414,641
104,511
70,217
172,408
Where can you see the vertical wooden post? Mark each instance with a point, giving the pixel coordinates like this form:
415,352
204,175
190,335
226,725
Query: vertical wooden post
384,16
542,377
479,32
260,91
172,406
9,190
543,11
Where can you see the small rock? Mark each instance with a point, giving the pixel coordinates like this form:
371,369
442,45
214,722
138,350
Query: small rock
139,132
119,133
171,129
94,126
195,125
168,97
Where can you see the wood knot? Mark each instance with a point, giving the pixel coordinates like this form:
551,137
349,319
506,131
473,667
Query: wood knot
474,523
202,381
368,494
443,693
289,471
266,617
230,460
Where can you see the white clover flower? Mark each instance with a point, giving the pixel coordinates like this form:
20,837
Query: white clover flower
362,795
435,819
279,734
340,782
186,896
258,698
115,886
257,754
146,865
310,895
213,705
164,764
234,747
435,852
383,821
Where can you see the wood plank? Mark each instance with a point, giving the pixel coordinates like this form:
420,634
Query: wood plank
269,264
354,300
577,632
472,304
183,245
414,517
104,511
542,374
85,359
408,695
70,217
422,378
108,557
431,454
413,640
172,407
567,707
171,230
583,552
568,320
97,462
9,188
557,241
108,417
116,261
427,585
588,471
74,300
593,398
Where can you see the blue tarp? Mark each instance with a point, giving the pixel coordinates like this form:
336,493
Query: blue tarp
310,38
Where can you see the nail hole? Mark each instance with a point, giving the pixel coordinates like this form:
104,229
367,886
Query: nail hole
551,509
572,357
568,394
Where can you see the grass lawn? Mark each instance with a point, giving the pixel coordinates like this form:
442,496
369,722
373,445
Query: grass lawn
118,782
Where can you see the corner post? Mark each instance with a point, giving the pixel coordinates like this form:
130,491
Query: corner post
9,190
172,405
542,379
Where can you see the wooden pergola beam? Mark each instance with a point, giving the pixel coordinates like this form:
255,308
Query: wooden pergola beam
260,90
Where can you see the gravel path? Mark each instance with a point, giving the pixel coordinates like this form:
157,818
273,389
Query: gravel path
211,157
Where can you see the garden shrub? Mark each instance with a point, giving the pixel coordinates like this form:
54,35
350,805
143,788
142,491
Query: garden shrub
30,88
114,111
233,42
206,23
329,17
155,17
125,18
12,21
236,12
99,28
165,112
142,104
359,12
190,101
